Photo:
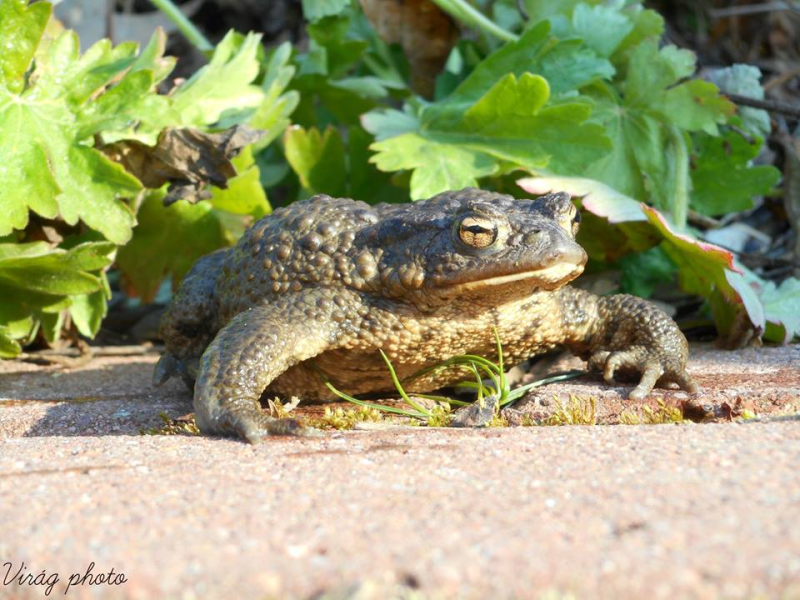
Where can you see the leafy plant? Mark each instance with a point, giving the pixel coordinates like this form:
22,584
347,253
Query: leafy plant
577,96
59,113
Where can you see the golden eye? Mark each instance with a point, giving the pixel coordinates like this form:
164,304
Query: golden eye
477,232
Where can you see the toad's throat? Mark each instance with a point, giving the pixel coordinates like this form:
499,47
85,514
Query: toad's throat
555,274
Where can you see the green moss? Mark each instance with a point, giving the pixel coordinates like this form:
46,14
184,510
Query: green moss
340,418
498,420
578,410
646,415
179,426
440,416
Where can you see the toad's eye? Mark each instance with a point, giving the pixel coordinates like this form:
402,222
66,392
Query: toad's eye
477,232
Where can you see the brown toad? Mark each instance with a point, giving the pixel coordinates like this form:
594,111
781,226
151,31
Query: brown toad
311,292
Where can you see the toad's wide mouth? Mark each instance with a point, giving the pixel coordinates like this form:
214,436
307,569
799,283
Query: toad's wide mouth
556,274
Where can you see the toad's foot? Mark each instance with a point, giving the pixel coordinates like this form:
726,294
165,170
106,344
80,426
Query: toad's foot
169,365
655,369
254,348
627,335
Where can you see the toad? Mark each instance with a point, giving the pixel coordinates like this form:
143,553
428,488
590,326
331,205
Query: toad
311,292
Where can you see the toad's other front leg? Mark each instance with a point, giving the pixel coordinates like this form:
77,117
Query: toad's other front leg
252,350
623,333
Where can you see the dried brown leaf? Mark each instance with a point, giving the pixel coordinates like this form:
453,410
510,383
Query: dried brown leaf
424,31
188,159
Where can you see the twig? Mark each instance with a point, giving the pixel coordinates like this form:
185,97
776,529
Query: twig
96,351
700,220
523,12
769,105
781,79
752,9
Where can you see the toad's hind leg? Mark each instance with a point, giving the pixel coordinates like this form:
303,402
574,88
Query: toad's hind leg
252,350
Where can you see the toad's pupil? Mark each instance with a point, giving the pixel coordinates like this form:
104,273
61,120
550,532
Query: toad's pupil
477,230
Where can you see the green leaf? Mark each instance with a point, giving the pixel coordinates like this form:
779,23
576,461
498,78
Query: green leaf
21,29
88,311
723,180
365,181
244,194
509,124
37,284
224,88
602,28
36,268
566,65
9,348
313,10
272,116
167,242
437,167
642,272
647,126
782,309
318,159
746,81
48,164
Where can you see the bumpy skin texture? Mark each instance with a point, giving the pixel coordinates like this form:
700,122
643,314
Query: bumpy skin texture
311,292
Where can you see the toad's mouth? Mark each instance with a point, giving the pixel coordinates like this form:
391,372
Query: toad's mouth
556,274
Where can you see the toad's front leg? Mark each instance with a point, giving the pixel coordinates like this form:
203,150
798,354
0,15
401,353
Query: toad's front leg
626,334
252,350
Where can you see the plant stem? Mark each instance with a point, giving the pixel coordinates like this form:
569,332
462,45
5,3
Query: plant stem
680,203
463,11
185,26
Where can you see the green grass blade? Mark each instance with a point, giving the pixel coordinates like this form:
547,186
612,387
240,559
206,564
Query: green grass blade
381,407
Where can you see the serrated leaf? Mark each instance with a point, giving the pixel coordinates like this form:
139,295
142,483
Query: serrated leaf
272,116
385,124
437,167
722,177
566,65
223,88
648,124
509,124
21,29
46,132
602,28
152,57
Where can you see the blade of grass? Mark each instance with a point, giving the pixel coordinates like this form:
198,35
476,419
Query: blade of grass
399,386
519,392
391,409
